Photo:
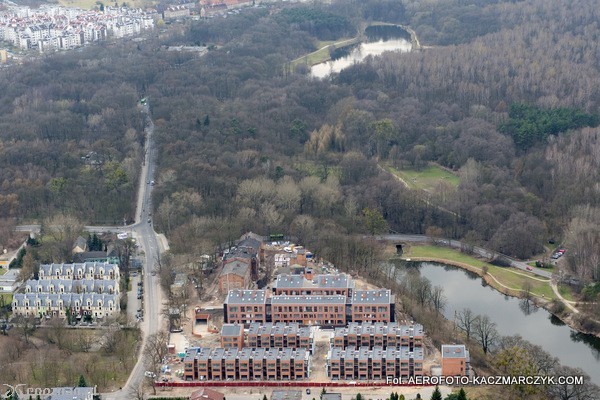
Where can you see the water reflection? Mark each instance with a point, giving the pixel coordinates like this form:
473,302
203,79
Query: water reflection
514,317
358,54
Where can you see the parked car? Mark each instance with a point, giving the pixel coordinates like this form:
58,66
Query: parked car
529,269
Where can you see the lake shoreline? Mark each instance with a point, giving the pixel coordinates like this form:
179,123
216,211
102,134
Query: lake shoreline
567,318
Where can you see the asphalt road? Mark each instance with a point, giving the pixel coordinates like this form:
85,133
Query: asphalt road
143,231
146,238
480,251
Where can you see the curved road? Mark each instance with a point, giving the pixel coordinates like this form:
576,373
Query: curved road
480,251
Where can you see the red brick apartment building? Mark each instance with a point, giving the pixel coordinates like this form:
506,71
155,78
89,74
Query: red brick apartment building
374,364
372,306
232,335
455,360
322,285
328,300
245,306
309,310
280,335
234,275
378,334
246,364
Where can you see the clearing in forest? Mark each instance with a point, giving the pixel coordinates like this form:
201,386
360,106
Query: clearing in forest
427,179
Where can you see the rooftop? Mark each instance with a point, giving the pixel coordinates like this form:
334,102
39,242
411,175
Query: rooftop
231,330
341,281
237,296
308,299
381,296
454,351
236,267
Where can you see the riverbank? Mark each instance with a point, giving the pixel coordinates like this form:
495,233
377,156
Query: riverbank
543,295
323,53
325,49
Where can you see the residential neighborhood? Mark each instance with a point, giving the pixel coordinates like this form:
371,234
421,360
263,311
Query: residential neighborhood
53,27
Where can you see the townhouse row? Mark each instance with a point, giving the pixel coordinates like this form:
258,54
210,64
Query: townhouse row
377,363
378,334
247,306
267,335
246,364
78,271
78,289
59,304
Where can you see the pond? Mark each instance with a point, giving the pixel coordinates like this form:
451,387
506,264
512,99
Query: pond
512,316
379,40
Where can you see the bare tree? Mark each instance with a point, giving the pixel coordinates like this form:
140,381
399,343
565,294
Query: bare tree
137,392
586,391
269,268
154,352
527,290
62,229
26,326
485,332
465,321
438,299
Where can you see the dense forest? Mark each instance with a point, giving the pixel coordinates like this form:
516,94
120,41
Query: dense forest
246,143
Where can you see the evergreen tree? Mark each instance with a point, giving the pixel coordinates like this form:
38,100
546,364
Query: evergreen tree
401,397
418,396
82,382
462,395
359,396
436,395
265,397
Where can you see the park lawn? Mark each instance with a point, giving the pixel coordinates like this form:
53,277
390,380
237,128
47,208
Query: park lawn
427,179
566,292
2,271
507,276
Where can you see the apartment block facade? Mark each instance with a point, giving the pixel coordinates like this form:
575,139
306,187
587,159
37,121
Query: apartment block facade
246,364
232,335
328,300
280,335
322,285
370,335
455,360
245,306
374,364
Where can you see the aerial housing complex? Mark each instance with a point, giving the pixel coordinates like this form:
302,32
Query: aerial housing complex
82,289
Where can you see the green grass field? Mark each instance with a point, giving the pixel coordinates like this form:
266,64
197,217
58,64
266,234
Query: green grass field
509,277
428,179
322,54
566,292
2,271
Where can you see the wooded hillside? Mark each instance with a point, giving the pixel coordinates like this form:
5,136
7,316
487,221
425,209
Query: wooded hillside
245,143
